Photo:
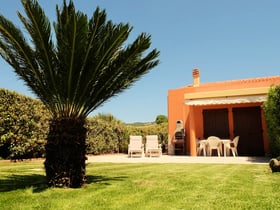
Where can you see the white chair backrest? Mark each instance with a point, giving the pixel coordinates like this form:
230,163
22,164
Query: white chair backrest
135,141
152,140
235,141
214,141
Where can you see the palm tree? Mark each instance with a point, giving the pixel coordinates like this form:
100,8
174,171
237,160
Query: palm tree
87,64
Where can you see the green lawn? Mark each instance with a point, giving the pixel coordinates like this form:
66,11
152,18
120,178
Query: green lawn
144,186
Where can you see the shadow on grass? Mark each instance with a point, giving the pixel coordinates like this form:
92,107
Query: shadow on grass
259,159
103,180
15,182
38,183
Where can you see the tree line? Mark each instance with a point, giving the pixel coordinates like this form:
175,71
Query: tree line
24,126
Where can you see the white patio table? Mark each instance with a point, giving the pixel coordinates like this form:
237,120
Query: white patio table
203,142
225,142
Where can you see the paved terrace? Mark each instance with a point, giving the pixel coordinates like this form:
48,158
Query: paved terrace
123,158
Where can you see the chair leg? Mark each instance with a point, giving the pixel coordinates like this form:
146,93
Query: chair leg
221,149
211,150
233,152
236,152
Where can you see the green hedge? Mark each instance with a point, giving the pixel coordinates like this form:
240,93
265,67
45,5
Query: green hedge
106,134
150,129
24,128
272,116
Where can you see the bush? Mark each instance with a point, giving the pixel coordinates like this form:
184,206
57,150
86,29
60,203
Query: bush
23,126
105,135
151,129
109,135
272,117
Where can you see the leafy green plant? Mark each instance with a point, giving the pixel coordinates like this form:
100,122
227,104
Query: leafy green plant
161,119
272,117
106,134
23,126
150,129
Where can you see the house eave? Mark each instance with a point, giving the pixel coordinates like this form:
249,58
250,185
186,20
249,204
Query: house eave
233,96
227,93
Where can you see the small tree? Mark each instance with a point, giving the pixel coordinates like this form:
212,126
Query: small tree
161,119
272,117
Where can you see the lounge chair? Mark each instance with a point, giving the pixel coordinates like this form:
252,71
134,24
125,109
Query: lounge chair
135,146
152,146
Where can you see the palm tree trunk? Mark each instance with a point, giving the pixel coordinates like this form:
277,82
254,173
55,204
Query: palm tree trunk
66,153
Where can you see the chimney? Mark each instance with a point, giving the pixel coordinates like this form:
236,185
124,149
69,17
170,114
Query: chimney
196,77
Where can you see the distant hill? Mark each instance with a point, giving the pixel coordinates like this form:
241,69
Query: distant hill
140,123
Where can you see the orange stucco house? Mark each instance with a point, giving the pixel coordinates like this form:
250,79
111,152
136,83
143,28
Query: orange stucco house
224,109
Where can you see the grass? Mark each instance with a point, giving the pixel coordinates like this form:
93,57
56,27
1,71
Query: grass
144,186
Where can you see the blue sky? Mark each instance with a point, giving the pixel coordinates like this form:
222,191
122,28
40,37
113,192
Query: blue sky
225,39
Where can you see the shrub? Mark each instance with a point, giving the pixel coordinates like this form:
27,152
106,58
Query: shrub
272,117
105,135
150,129
23,126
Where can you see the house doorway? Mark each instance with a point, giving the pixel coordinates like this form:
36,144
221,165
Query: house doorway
215,123
248,126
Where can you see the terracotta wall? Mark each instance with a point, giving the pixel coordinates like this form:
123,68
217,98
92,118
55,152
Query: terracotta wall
193,121
177,110
192,115
199,120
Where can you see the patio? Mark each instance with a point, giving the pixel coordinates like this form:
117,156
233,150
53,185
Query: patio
123,158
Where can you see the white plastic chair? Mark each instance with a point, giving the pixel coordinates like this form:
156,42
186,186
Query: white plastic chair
232,146
214,143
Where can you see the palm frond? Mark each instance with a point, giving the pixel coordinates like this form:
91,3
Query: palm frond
38,26
89,64
18,53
